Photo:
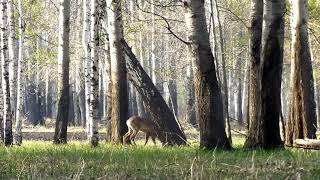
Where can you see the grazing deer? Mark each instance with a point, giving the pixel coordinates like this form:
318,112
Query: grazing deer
136,124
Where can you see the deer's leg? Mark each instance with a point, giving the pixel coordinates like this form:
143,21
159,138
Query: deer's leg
126,136
133,135
154,140
147,138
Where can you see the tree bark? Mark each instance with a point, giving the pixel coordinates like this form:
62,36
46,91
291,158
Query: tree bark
60,135
12,55
94,76
119,91
265,108
207,90
18,136
191,105
7,114
224,74
303,118
86,64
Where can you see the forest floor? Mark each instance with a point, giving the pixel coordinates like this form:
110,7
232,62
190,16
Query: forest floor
39,159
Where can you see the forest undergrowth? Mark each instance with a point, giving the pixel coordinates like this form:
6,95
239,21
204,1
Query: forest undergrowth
77,160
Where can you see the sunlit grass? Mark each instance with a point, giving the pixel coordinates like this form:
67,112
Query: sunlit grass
34,160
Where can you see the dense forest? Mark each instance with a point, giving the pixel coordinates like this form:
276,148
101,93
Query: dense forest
198,73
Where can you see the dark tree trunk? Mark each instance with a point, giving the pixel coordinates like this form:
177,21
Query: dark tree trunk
60,134
208,93
266,76
302,118
119,85
160,112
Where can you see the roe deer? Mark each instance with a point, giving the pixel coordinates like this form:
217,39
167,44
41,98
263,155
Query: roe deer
136,124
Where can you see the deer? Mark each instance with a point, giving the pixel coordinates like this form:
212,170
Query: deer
136,124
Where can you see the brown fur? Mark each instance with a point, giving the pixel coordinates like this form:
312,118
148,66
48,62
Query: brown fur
136,124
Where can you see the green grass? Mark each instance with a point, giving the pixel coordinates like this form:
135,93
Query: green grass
43,160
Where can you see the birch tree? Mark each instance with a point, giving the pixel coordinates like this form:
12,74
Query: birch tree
18,135
302,118
12,53
60,135
94,76
207,90
119,91
7,115
86,64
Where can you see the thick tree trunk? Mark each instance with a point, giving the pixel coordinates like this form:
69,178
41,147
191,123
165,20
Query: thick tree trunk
302,119
158,108
7,114
255,52
60,135
119,91
266,74
18,135
207,90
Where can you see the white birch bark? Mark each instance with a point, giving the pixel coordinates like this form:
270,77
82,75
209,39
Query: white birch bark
86,64
7,116
18,136
94,76
60,135
12,53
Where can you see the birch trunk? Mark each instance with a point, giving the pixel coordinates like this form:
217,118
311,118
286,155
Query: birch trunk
86,64
207,90
18,136
60,135
119,91
12,54
303,118
7,115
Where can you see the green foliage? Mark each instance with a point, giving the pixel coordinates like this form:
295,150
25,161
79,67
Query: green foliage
35,160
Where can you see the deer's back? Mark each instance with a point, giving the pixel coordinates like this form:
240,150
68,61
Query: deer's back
145,125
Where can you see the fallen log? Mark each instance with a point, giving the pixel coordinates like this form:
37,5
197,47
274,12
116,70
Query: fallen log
310,143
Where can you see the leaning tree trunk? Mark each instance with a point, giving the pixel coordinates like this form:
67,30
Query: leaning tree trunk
302,119
207,90
119,91
7,115
18,135
157,106
60,135
224,76
94,76
266,74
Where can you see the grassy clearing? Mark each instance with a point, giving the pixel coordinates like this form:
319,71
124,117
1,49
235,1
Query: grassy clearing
42,160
